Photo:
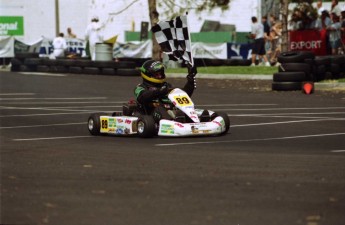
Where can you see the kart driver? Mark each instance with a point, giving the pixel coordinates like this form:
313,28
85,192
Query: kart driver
154,89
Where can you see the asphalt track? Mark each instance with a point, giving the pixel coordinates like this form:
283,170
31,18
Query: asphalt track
282,162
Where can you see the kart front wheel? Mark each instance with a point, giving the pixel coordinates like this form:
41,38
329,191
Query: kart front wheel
146,126
226,120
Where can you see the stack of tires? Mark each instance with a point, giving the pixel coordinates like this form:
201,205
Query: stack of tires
296,67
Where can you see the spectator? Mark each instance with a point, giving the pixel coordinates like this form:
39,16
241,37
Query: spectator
258,49
335,8
326,22
334,34
60,46
319,7
70,34
275,36
266,32
93,35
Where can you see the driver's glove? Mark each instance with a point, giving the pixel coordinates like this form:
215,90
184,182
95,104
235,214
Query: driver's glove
192,71
164,90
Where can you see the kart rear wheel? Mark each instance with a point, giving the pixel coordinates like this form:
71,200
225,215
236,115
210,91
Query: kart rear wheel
226,120
94,124
146,126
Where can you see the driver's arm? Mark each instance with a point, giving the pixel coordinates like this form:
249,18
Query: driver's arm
191,81
145,96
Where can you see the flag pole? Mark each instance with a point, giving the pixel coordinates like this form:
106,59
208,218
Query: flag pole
190,41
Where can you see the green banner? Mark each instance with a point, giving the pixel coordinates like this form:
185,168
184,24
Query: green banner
11,25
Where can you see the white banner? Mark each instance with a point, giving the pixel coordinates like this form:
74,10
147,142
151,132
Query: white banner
74,45
209,50
133,50
7,47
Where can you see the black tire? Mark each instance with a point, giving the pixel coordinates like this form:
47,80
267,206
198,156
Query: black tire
58,69
75,69
295,67
146,126
286,86
43,68
225,118
289,76
335,70
295,56
338,59
323,60
232,62
94,123
32,61
91,70
127,72
108,71
319,73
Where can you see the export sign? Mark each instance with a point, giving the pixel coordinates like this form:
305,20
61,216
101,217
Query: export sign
11,25
308,40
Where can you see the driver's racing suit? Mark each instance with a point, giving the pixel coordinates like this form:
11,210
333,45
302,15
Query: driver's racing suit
149,96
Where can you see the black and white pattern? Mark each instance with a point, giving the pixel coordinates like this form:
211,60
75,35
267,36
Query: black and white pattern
174,39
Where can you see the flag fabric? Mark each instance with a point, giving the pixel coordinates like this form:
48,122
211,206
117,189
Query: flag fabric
174,39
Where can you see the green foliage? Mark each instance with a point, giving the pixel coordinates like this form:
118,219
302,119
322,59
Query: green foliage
176,8
257,70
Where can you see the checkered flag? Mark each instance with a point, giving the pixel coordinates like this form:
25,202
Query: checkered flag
174,38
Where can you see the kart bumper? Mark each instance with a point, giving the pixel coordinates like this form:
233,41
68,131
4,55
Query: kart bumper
173,128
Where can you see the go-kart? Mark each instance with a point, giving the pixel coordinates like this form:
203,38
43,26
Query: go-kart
185,120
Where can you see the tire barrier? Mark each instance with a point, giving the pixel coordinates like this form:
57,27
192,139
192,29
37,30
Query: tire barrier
297,67
75,66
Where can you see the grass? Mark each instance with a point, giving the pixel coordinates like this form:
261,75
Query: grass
257,70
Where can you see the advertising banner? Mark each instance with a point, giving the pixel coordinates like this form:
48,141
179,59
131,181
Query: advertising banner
209,50
308,40
6,47
11,26
133,50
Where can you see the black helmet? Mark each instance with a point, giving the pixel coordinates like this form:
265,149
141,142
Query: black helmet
153,71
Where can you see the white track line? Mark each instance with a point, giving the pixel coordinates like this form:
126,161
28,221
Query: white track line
249,140
42,74
283,122
53,103
51,138
16,94
21,99
338,151
44,125
53,114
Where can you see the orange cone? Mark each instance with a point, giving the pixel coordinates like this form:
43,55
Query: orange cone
308,88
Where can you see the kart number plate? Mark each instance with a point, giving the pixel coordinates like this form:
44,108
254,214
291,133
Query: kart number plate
104,124
183,100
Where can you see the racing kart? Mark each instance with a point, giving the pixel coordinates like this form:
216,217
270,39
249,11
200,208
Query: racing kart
185,120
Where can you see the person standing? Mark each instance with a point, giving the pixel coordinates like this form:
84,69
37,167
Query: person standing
258,49
335,34
319,7
70,33
60,46
94,35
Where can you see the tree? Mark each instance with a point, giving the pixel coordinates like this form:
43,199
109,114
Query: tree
285,33
180,7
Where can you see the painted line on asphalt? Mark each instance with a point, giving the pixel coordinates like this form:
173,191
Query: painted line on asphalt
291,121
50,138
53,103
280,109
44,125
249,140
42,74
52,114
338,151
16,94
21,99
